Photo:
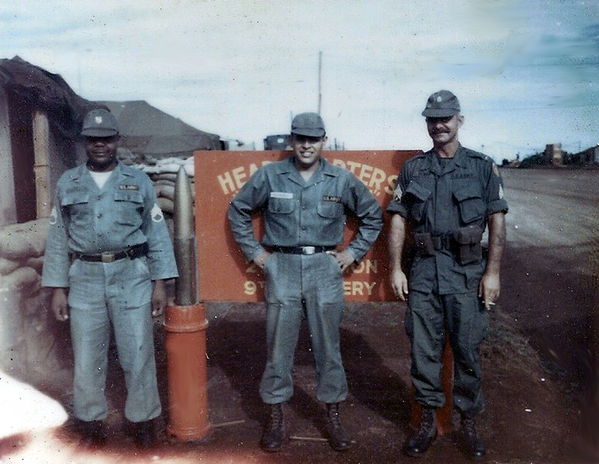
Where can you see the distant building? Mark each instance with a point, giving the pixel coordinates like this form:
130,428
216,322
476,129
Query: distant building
554,154
588,156
277,142
149,133
237,145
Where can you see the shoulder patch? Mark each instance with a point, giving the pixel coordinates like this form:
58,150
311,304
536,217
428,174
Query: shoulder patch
53,216
495,170
397,194
156,213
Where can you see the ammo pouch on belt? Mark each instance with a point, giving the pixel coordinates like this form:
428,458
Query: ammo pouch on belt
469,249
425,244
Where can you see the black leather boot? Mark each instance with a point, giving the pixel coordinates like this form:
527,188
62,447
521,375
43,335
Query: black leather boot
145,434
93,435
474,445
339,438
421,441
274,432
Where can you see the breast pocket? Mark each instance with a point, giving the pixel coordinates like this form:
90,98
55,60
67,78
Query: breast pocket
418,197
281,205
78,208
128,208
330,209
471,204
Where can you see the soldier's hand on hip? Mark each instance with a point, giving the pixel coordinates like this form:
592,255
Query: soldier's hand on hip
261,259
344,258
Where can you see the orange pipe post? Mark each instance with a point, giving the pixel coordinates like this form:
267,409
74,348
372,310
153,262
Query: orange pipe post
187,371
444,424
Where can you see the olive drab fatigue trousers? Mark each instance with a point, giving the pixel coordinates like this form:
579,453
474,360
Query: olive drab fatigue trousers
116,294
464,318
294,284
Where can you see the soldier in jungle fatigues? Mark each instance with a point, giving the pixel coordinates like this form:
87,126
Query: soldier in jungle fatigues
447,196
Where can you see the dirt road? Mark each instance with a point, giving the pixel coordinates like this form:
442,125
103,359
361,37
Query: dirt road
553,235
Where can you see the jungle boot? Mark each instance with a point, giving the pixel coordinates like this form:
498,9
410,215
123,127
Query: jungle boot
421,441
274,432
473,443
145,435
339,437
93,434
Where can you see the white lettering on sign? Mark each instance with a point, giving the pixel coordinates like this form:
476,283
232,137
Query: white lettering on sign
368,266
250,287
374,178
233,180
358,288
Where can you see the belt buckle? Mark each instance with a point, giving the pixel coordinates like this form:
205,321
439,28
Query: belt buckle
308,250
107,257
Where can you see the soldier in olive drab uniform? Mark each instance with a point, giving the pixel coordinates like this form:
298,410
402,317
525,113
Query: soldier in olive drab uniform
447,196
107,256
303,201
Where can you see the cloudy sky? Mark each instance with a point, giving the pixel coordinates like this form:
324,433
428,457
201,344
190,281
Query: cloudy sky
526,71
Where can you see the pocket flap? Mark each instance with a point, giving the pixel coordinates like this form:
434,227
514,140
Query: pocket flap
466,193
420,192
74,199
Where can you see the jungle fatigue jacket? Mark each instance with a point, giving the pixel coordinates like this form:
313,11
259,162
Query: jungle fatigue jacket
440,196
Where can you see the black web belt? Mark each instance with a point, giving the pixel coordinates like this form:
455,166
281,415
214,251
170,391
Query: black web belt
131,253
304,250
444,241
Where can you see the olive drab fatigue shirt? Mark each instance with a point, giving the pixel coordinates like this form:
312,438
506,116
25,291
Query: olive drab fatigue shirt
440,196
300,213
88,220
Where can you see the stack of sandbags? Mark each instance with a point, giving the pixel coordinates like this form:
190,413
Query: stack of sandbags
164,175
21,256
27,344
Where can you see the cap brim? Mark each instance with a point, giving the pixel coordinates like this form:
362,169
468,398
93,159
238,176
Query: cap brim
439,113
309,132
99,132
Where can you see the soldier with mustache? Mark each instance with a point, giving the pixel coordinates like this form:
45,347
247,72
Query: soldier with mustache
446,197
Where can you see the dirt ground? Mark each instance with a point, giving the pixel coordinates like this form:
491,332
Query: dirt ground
532,360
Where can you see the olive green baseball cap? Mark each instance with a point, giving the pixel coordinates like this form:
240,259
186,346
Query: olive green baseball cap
441,104
308,124
99,123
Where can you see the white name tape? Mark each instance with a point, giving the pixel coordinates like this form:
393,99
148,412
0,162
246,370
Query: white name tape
281,195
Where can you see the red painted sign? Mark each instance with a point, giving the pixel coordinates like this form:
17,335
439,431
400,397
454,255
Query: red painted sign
225,275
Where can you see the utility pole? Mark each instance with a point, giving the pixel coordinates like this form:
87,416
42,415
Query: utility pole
319,81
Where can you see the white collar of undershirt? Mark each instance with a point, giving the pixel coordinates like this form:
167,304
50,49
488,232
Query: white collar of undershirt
100,178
